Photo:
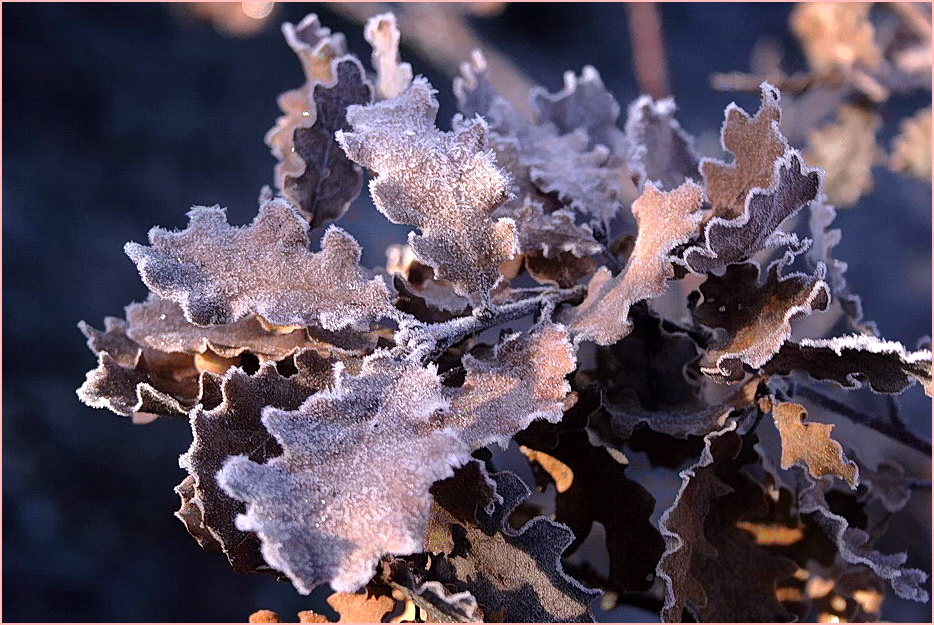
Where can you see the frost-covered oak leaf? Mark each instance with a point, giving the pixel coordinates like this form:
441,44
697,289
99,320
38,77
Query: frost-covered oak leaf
220,273
757,318
231,429
392,76
767,183
315,47
523,380
666,220
130,379
353,481
160,324
445,184
554,232
659,151
573,156
583,104
587,178
810,443
756,144
851,361
726,241
329,181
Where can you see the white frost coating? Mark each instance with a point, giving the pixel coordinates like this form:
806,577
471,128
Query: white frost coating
352,483
446,184
220,273
392,77
866,343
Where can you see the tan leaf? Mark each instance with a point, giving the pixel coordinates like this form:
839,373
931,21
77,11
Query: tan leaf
811,444
911,149
666,220
756,144
846,150
361,607
560,473
757,318
264,616
836,36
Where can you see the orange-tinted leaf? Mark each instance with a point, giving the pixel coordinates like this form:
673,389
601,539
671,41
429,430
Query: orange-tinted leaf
810,443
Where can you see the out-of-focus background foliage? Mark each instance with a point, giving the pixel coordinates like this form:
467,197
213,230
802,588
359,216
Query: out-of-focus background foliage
119,117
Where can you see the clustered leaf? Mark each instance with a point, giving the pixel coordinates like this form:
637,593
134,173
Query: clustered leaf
343,419
352,482
666,220
811,444
757,318
415,185
751,197
219,273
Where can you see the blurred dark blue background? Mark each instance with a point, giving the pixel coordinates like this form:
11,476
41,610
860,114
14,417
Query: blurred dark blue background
119,117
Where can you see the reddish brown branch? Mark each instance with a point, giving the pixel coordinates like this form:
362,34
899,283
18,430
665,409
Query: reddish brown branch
648,49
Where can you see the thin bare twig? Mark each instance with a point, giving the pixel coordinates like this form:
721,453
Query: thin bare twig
648,49
428,342
900,434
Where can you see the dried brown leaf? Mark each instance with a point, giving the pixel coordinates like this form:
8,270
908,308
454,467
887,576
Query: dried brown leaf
911,149
811,444
234,428
392,77
588,179
682,526
329,181
593,487
659,152
264,616
666,220
846,150
756,317
553,233
726,241
516,576
851,361
130,379
711,566
220,274
445,184
766,183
